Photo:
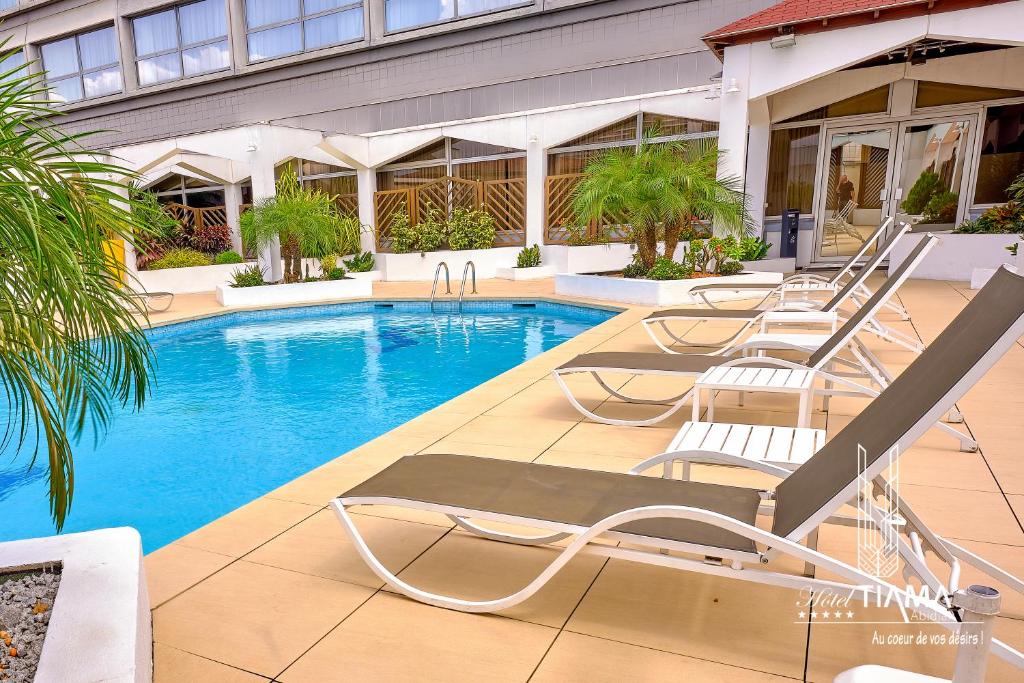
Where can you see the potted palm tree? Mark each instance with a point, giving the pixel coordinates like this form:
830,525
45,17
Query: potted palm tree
313,238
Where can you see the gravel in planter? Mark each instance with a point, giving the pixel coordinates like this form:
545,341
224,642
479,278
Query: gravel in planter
26,601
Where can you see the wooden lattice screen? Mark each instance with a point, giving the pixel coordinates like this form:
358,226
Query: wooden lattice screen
196,217
559,216
505,200
348,204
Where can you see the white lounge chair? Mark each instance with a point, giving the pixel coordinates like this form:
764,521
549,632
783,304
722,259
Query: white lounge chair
822,349
709,528
806,312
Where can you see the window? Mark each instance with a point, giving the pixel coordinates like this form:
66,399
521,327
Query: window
335,181
871,102
8,4
180,42
930,94
12,66
1002,153
464,159
188,191
285,27
403,14
83,66
792,162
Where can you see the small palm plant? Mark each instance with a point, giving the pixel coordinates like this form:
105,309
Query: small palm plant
71,349
661,187
305,220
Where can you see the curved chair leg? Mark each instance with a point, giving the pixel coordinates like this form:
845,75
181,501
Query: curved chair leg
671,410
682,341
506,538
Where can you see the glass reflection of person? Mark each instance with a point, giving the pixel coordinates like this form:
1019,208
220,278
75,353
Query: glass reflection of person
845,192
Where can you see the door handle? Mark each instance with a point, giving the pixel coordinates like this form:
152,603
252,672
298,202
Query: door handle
898,194
884,195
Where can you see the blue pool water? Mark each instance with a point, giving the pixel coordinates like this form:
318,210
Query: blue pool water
246,402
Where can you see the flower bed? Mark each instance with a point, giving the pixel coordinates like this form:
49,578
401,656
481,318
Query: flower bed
656,292
295,292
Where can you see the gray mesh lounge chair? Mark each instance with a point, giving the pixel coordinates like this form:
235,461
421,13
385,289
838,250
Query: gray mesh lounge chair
785,312
708,528
823,356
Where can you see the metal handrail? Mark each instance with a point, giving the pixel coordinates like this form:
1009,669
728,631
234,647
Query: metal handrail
462,290
447,282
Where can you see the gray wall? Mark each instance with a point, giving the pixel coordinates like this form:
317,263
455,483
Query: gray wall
609,49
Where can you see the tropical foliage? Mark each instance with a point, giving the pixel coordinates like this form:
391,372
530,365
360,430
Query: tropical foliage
227,257
180,258
250,276
663,189
1005,218
463,229
71,347
529,257
360,263
305,220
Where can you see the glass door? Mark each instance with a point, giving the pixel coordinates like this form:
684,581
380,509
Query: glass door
931,194
855,194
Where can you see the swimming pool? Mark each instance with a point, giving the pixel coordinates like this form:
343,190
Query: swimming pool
248,401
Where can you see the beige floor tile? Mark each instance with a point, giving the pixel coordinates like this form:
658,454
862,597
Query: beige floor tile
175,568
593,437
696,615
576,657
319,487
473,568
238,532
512,431
177,666
485,450
319,546
969,515
392,638
255,617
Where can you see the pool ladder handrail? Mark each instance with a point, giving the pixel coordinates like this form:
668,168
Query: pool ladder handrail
447,282
462,290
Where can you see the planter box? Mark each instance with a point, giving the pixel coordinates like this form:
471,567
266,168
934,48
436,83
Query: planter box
535,273
188,280
597,258
955,256
371,275
295,293
100,628
770,265
655,292
422,265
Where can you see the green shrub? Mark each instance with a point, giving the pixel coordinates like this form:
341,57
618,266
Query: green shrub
180,258
529,257
730,268
926,186
250,276
752,249
634,270
941,208
403,235
430,233
360,263
1005,219
226,257
336,274
470,229
667,269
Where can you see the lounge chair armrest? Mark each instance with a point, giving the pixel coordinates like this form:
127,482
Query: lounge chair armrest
804,278
809,317
757,346
708,456
798,305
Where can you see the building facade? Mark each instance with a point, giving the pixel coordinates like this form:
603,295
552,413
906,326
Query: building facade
393,105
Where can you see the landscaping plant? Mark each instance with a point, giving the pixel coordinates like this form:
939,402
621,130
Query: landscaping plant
161,228
360,263
529,257
227,257
180,258
72,350
927,185
250,276
305,221
1003,219
470,229
661,187
665,268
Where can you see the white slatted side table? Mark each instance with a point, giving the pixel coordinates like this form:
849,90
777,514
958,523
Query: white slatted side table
787,447
744,378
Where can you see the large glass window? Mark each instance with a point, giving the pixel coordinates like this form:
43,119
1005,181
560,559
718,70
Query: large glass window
8,4
338,182
931,94
12,66
284,27
871,102
1002,153
792,161
82,66
187,191
403,14
187,40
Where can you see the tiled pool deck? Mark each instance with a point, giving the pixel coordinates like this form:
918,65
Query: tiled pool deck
275,591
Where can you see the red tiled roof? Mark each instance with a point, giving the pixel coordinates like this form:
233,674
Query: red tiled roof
790,12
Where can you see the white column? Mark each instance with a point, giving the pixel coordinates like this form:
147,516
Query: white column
366,179
232,204
263,188
536,176
756,173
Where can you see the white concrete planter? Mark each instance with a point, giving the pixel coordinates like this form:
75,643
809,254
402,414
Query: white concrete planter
100,628
534,273
295,293
597,258
655,292
188,280
371,275
770,265
955,257
421,265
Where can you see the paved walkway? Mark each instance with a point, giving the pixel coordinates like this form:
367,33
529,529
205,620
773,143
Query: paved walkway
274,590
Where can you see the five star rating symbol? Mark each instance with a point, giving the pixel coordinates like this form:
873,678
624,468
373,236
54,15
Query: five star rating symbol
825,614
